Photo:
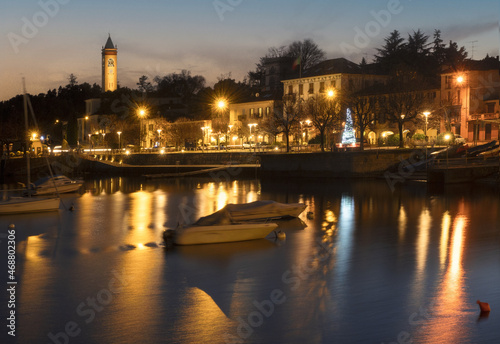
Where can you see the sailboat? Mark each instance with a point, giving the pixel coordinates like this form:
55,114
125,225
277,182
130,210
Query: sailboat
17,205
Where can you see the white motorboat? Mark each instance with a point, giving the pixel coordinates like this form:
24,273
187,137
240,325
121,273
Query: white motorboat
258,210
196,234
56,184
20,205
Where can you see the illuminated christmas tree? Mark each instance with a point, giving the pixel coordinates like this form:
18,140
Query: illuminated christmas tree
348,137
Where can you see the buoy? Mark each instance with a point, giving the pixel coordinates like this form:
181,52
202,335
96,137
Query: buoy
280,235
483,306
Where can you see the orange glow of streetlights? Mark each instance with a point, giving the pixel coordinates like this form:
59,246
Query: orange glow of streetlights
330,93
460,79
141,112
119,139
221,104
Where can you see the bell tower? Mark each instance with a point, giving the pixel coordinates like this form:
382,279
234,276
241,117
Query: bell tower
109,66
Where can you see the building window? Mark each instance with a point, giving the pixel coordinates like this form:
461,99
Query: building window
252,113
333,83
322,87
243,112
268,111
301,89
311,88
447,81
290,89
490,107
151,127
260,112
459,99
487,131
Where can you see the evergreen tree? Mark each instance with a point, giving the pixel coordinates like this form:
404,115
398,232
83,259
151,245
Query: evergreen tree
391,55
348,136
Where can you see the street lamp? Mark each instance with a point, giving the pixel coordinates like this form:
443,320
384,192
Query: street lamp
221,104
447,138
103,140
229,128
159,137
203,138
426,114
308,123
119,140
250,125
141,113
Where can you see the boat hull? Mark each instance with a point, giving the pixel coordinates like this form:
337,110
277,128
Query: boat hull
20,205
196,235
61,189
56,184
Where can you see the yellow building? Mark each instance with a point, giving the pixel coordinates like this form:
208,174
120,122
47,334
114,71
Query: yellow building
109,66
470,98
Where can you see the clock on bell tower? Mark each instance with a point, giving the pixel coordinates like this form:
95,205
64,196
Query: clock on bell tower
109,65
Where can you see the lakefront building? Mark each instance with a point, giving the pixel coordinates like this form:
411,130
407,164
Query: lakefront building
335,74
331,77
470,100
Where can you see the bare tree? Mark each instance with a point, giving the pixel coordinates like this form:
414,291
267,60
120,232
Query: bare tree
271,127
287,115
325,111
406,101
363,108
307,51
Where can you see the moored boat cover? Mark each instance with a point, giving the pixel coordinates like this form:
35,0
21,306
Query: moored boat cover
220,217
249,211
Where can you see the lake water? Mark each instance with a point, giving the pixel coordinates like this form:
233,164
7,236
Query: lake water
368,265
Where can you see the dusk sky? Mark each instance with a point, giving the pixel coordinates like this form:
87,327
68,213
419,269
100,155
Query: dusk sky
213,37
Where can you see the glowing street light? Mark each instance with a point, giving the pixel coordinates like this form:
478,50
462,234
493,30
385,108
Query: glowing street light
221,104
447,138
330,93
250,125
426,114
159,136
141,112
119,140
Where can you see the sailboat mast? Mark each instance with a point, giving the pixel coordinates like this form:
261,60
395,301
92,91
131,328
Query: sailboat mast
26,137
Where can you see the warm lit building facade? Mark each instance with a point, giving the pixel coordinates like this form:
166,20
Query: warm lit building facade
246,119
470,100
335,74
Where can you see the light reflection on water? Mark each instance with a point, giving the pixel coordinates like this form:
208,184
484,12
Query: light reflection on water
370,266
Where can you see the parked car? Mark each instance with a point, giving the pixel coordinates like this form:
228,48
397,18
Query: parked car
459,139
